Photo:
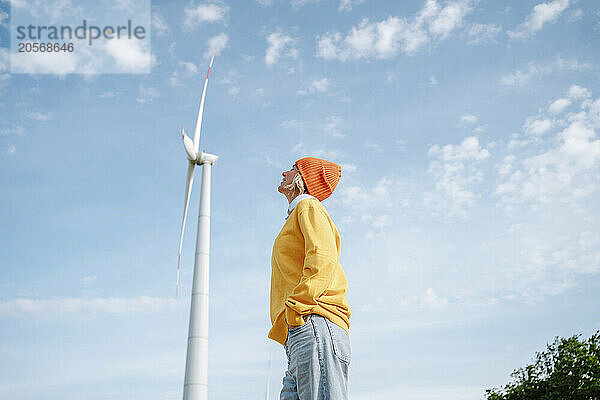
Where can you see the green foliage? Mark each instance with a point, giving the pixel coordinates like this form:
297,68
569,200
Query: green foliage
568,370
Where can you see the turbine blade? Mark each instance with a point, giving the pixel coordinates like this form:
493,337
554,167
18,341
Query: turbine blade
201,110
188,189
189,146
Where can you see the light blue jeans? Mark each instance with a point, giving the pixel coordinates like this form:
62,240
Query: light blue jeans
318,354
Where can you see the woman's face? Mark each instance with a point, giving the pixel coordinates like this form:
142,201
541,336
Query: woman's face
288,177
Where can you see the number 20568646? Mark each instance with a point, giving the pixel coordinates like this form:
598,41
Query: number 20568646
29,47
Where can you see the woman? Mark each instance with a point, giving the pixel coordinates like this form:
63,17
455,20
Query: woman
309,310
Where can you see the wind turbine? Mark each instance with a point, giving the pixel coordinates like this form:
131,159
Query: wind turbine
196,364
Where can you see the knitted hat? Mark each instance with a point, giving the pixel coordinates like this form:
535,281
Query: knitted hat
320,176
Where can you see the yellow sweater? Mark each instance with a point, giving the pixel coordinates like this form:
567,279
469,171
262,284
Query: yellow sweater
306,276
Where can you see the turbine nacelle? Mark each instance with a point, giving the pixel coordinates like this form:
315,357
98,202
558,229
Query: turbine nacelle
206,158
195,157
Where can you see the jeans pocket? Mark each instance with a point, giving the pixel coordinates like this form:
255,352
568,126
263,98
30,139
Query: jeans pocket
299,327
340,341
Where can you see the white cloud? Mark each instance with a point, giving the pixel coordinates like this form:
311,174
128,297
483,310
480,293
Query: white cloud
577,92
456,173
184,70
449,18
537,127
558,106
541,14
159,26
301,150
332,126
48,10
576,15
38,116
548,261
468,149
4,20
483,33
384,39
230,80
126,6
380,40
133,56
147,95
291,124
536,71
88,280
11,150
44,63
372,146
296,4
429,299
216,44
18,4
189,67
348,167
171,49
521,78
16,130
347,5
468,119
507,165
108,94
320,85
59,307
553,171
377,222
213,11
279,45
317,86
565,168
361,197
4,67
299,3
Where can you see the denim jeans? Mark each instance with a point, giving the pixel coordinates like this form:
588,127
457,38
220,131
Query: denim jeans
318,354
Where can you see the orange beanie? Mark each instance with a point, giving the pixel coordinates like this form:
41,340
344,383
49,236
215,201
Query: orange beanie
320,176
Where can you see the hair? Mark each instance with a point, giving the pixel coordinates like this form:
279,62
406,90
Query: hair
297,184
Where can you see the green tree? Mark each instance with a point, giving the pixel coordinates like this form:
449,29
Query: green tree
568,370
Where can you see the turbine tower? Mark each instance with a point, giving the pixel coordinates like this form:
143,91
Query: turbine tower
195,386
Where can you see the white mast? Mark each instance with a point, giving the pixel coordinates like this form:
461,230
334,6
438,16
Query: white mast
195,385
268,391
196,365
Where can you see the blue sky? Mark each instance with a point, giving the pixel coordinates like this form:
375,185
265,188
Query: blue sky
466,131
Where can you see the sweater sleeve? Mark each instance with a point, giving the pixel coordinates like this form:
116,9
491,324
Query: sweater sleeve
320,262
